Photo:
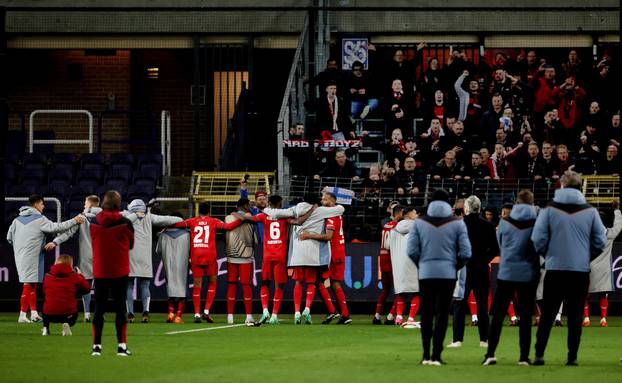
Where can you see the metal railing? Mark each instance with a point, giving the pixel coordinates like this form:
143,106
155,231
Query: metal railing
47,199
34,113
165,141
292,105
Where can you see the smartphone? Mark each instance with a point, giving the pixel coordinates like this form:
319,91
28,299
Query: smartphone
246,177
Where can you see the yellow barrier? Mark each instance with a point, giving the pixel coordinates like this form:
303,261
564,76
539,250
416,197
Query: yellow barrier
225,186
601,189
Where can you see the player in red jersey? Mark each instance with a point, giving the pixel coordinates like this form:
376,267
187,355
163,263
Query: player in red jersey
274,264
386,271
334,234
203,256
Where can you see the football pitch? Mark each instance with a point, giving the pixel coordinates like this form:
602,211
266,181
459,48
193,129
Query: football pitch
219,352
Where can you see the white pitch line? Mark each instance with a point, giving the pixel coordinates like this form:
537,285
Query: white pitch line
205,329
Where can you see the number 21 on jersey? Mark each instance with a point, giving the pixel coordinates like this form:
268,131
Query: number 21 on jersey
201,234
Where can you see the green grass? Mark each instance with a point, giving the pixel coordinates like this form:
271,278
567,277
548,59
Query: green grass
356,353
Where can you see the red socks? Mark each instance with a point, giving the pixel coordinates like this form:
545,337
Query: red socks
310,295
171,305
196,299
392,311
472,304
414,306
232,290
181,306
276,303
265,297
511,311
24,301
399,305
604,305
586,308
341,299
211,294
387,282
325,297
297,296
247,290
381,299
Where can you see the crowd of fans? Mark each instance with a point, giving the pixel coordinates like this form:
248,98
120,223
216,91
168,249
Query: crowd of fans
515,118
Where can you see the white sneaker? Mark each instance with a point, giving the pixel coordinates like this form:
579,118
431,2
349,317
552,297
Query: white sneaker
66,329
229,319
454,345
435,363
411,324
34,317
483,344
23,318
45,332
425,362
489,361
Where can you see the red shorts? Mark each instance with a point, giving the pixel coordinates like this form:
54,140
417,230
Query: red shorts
385,263
274,270
336,271
241,271
307,274
209,270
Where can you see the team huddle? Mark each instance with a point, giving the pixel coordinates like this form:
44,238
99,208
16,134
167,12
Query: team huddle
430,260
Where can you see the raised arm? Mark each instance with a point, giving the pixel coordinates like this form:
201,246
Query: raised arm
599,233
64,236
300,220
280,213
613,232
164,220
50,227
463,95
324,212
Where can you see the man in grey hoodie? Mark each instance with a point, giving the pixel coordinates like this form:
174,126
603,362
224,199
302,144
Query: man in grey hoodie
141,254
519,273
91,209
439,246
569,233
27,236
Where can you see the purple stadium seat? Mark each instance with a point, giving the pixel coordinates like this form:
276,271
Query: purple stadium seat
123,171
35,158
60,172
122,158
150,158
92,158
23,190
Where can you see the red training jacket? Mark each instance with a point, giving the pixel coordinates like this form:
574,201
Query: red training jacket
112,237
60,287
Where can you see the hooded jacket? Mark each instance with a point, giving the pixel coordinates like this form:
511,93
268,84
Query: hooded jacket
519,261
568,232
112,236
309,252
84,242
405,275
141,254
601,275
27,236
60,287
174,248
439,243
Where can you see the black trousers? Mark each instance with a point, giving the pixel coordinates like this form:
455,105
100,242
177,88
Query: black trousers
479,282
69,318
104,288
526,292
435,303
571,288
